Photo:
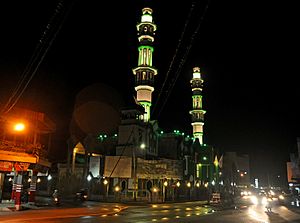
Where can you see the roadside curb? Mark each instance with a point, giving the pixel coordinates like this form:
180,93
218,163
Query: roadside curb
5,209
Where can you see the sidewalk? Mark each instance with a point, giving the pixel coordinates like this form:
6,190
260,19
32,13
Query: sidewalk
7,205
43,203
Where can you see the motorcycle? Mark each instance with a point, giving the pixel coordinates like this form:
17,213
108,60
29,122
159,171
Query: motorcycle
81,195
267,201
56,201
56,197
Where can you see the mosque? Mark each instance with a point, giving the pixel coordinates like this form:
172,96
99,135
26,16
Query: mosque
146,163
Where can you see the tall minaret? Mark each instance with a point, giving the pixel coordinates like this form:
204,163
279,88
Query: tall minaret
144,72
197,112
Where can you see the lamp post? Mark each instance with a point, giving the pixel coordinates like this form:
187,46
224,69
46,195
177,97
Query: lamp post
177,189
155,191
18,128
189,189
105,182
17,185
117,191
165,184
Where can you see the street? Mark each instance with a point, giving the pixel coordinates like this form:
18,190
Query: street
93,212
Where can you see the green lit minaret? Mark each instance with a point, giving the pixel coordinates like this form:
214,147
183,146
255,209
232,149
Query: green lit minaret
197,112
145,72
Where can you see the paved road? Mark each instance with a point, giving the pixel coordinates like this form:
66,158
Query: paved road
93,212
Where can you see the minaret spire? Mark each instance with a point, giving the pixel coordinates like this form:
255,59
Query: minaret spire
197,112
145,72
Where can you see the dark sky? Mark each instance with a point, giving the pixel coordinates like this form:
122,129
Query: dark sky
247,51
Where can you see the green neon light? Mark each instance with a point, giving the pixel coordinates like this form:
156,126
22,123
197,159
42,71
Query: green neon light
198,110
197,95
145,47
146,103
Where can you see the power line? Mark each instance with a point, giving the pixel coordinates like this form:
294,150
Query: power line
174,56
182,61
120,156
42,47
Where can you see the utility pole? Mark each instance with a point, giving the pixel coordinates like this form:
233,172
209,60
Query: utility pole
134,172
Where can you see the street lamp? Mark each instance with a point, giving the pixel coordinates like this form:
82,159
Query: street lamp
105,182
165,184
49,177
189,189
176,190
155,189
117,188
19,127
89,177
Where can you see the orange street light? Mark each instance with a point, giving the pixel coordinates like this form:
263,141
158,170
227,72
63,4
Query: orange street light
19,127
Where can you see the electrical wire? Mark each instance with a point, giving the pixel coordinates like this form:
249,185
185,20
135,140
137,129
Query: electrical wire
120,156
38,55
175,55
182,61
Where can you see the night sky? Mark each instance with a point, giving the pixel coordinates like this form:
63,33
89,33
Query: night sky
246,50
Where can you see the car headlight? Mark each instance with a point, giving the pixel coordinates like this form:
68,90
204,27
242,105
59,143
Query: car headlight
264,201
254,199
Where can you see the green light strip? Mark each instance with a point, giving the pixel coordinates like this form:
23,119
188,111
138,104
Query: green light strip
147,47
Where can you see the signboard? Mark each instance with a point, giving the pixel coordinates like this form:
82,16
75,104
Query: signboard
18,166
5,166
95,166
116,166
164,168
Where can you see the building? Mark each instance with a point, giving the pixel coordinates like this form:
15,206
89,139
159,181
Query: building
235,172
144,163
25,141
293,170
204,156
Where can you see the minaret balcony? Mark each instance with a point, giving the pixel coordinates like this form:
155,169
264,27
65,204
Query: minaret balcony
199,119
197,111
144,82
142,68
197,84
